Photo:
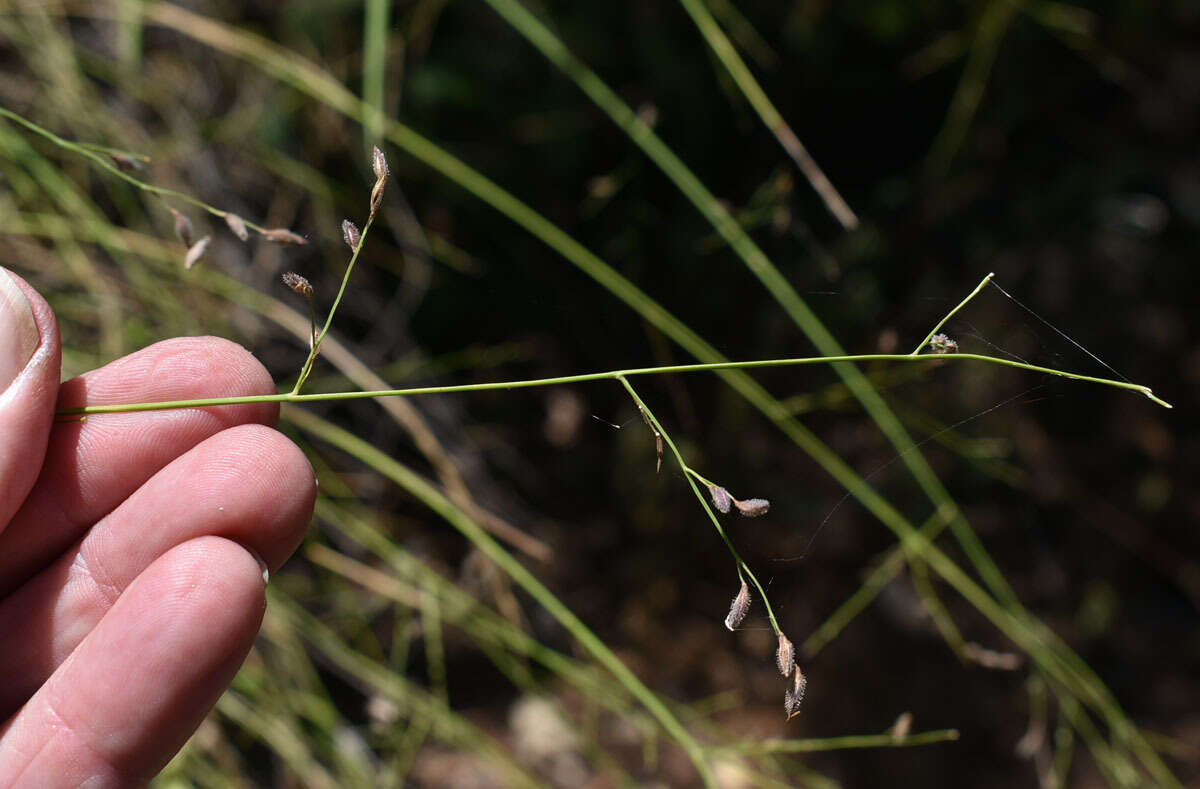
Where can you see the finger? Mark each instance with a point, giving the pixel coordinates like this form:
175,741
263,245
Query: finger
249,484
91,467
141,682
30,358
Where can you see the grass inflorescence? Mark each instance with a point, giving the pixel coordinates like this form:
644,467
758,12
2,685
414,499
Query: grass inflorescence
280,694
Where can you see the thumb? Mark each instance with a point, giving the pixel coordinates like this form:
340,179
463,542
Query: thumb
30,359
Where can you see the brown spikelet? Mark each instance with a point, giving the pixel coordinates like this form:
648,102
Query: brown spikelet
794,696
752,508
940,343
785,655
720,498
350,234
380,166
238,226
196,251
902,726
738,608
283,236
125,162
298,284
183,228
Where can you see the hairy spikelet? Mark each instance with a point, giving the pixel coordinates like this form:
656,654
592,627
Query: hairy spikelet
238,226
720,498
196,251
785,655
738,608
298,284
183,228
794,696
283,236
350,234
752,508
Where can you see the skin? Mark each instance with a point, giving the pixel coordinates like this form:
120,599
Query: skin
132,549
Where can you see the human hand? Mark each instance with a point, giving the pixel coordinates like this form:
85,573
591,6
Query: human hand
132,547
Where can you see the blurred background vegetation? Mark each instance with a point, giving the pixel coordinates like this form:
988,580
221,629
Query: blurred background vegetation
1050,143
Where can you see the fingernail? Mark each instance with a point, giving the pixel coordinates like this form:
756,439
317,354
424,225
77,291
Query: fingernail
262,565
19,335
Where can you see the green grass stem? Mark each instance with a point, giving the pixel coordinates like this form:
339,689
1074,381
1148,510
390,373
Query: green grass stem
608,375
436,501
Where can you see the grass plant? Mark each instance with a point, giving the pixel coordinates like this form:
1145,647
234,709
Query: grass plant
281,701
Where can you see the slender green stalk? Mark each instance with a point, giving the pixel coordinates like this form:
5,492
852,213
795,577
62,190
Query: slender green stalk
104,163
611,374
742,567
318,338
772,279
436,501
447,725
317,83
951,313
880,577
375,30
993,25
838,743
744,79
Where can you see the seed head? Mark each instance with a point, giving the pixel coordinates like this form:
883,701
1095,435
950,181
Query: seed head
283,236
196,251
237,226
380,166
940,343
350,234
794,696
752,508
785,656
183,228
125,162
720,498
902,726
738,608
298,284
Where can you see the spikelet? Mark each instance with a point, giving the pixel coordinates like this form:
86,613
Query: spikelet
752,508
793,697
738,608
196,251
298,284
125,162
238,226
283,236
785,655
380,166
350,234
940,343
720,498
902,726
183,228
